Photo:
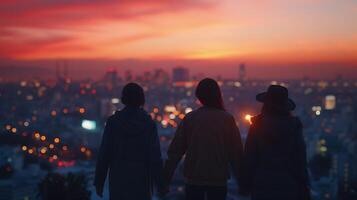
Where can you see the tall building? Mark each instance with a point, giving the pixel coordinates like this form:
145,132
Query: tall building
242,75
111,76
180,74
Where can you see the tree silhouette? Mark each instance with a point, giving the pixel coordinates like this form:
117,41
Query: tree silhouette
6,171
64,187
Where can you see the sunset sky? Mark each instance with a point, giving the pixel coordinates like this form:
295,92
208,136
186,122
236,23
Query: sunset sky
291,35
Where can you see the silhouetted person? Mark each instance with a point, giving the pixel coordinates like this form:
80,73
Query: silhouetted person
130,150
211,143
275,154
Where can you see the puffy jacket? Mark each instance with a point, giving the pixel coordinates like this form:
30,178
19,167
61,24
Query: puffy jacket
130,151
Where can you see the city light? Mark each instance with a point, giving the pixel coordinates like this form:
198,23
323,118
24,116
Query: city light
26,123
65,148
83,149
172,116
155,110
82,110
43,150
170,108
89,124
37,135
43,138
188,110
115,100
24,148
56,140
53,113
330,102
317,113
164,123
13,130
8,127
248,118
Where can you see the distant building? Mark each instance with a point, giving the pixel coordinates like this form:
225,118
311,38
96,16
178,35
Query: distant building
111,76
242,75
128,76
330,102
180,74
160,77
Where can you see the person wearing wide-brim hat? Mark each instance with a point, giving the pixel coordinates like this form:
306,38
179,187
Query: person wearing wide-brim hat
275,165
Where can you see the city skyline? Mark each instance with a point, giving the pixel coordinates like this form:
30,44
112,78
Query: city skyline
291,39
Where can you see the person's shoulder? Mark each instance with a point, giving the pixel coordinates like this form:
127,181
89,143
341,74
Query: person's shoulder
209,111
256,119
190,115
147,117
297,121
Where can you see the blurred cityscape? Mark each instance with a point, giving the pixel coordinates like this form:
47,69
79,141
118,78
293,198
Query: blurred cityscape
56,125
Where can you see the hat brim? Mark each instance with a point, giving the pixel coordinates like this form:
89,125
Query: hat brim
289,104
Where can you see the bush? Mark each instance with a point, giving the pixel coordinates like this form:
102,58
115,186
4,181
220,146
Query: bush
59,187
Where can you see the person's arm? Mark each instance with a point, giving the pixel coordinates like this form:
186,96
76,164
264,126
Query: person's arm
301,162
250,159
156,165
235,150
103,160
176,150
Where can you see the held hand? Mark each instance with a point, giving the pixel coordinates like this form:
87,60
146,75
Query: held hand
99,191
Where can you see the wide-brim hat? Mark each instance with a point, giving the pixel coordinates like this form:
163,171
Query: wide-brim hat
277,96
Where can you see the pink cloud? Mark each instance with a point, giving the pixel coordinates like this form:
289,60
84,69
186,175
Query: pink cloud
35,13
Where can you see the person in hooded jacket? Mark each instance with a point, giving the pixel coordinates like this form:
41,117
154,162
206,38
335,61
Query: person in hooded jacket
275,166
130,151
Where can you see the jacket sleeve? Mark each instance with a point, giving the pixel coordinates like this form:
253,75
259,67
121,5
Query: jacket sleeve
250,159
301,161
235,150
176,150
103,161
156,165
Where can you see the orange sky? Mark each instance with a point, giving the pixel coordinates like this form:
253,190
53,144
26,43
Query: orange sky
280,32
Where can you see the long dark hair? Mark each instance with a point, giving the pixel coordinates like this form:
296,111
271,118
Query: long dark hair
209,93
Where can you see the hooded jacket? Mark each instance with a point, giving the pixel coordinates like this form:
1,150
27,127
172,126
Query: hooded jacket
130,150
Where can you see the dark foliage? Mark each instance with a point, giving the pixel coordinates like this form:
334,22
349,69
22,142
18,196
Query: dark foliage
64,187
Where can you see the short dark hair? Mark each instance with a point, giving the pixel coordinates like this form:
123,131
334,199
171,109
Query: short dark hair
133,95
209,93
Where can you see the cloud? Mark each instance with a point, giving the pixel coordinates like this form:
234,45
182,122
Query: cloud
54,13
33,26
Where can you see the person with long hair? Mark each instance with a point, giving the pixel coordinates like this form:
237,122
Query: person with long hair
210,140
130,151
275,166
